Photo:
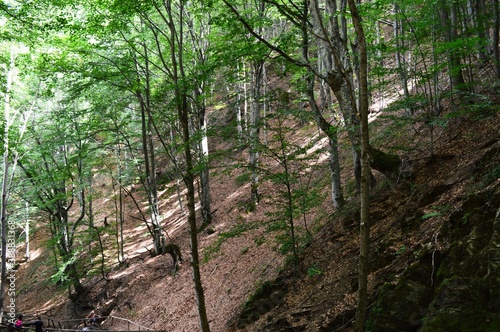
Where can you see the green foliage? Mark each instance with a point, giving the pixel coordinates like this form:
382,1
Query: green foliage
438,211
465,217
494,174
430,215
402,249
61,276
286,243
248,206
313,271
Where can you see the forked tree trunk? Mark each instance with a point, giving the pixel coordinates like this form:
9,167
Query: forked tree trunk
365,172
325,65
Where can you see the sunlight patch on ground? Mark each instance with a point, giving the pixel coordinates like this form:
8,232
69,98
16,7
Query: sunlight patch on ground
237,193
174,196
35,254
138,248
176,224
138,229
384,100
170,213
319,145
56,301
122,273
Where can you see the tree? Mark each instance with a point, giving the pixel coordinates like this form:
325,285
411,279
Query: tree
143,94
56,174
17,112
449,20
7,161
495,39
198,28
365,171
169,27
292,163
324,66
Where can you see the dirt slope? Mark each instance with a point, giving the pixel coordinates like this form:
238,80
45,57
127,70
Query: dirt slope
413,233
434,249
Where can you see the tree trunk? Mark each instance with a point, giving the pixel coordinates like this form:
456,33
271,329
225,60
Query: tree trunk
27,232
73,275
255,122
178,76
198,36
245,100
66,249
449,22
331,132
325,65
149,182
120,211
117,185
178,177
401,67
365,172
495,39
340,77
206,212
5,178
158,237
4,227
239,97
189,181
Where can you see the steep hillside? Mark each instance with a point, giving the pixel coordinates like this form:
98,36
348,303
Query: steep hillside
435,257
435,249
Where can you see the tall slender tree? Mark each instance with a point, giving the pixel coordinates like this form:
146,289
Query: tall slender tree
15,119
365,171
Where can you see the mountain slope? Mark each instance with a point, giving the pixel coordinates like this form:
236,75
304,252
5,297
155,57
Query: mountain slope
434,249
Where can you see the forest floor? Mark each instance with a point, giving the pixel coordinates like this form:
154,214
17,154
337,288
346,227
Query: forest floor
317,294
